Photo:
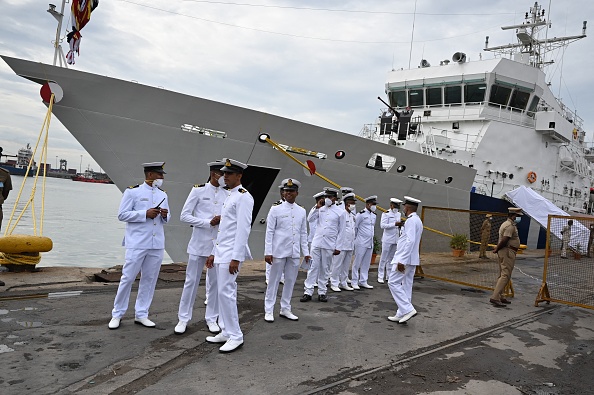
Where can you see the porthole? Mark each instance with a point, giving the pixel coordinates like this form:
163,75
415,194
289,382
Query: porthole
339,154
448,180
401,168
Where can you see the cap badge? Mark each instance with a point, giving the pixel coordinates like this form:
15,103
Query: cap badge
228,163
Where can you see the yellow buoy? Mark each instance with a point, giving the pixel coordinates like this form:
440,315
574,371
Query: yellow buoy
15,244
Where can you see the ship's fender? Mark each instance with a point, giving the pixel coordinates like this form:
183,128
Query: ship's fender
15,244
532,177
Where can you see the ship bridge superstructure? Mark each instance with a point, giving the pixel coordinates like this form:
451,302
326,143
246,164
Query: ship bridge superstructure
498,116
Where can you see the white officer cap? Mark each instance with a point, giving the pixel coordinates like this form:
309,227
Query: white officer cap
291,184
395,201
233,166
412,201
371,199
345,190
216,165
331,191
349,196
319,195
157,167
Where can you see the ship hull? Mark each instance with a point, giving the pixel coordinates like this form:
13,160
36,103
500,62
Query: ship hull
123,124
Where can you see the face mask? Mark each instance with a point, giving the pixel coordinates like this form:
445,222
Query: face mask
328,202
518,219
395,210
158,183
221,181
373,208
352,207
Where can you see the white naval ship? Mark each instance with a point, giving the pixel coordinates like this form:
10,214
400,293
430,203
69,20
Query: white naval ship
467,109
498,116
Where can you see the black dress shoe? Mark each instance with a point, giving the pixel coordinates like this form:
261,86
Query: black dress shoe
305,298
2,283
505,301
496,303
322,298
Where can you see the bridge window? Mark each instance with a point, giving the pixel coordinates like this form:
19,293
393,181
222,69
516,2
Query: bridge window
499,95
453,94
519,100
398,98
474,93
433,96
415,97
533,105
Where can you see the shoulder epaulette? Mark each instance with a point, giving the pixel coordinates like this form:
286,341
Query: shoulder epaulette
241,190
299,204
199,186
362,211
134,186
162,190
278,202
338,203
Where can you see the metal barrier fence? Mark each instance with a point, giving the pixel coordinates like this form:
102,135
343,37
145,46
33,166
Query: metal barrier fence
568,273
440,224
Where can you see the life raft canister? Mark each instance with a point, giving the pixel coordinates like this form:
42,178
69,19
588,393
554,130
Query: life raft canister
531,177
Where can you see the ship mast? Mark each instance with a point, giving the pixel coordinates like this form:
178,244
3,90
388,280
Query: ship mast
530,47
58,53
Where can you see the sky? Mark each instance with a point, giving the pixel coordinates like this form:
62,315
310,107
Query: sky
323,63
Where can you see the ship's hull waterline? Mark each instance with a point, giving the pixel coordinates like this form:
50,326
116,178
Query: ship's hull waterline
123,124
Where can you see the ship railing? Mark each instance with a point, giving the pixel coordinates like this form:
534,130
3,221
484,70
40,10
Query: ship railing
476,110
570,115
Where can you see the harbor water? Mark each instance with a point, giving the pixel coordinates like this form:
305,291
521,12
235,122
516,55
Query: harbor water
80,218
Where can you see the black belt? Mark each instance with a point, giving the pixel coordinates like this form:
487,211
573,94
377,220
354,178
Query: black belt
513,248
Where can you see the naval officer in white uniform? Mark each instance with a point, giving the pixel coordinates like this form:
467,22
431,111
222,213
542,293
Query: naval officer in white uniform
342,261
330,225
405,261
145,209
202,210
230,250
364,230
282,199
285,241
390,223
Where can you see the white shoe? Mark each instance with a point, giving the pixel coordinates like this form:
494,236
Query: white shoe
217,339
355,286
407,316
180,327
282,281
395,318
114,323
335,289
288,315
347,288
231,345
366,286
145,322
380,280
269,317
213,327
205,301
315,285
348,280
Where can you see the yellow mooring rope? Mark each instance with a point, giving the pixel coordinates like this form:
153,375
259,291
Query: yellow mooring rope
30,258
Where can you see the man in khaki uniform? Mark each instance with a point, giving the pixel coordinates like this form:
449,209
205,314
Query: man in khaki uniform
507,247
485,235
5,188
566,232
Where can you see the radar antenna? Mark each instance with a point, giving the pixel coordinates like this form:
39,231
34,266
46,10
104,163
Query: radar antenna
529,44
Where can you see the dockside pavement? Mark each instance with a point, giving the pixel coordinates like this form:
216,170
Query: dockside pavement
54,339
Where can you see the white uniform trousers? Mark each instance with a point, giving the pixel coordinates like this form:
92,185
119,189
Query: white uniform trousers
340,268
226,299
388,251
147,263
320,271
361,264
289,267
401,288
186,303
268,267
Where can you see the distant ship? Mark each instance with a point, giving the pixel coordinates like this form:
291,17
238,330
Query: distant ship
454,141
92,177
19,166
